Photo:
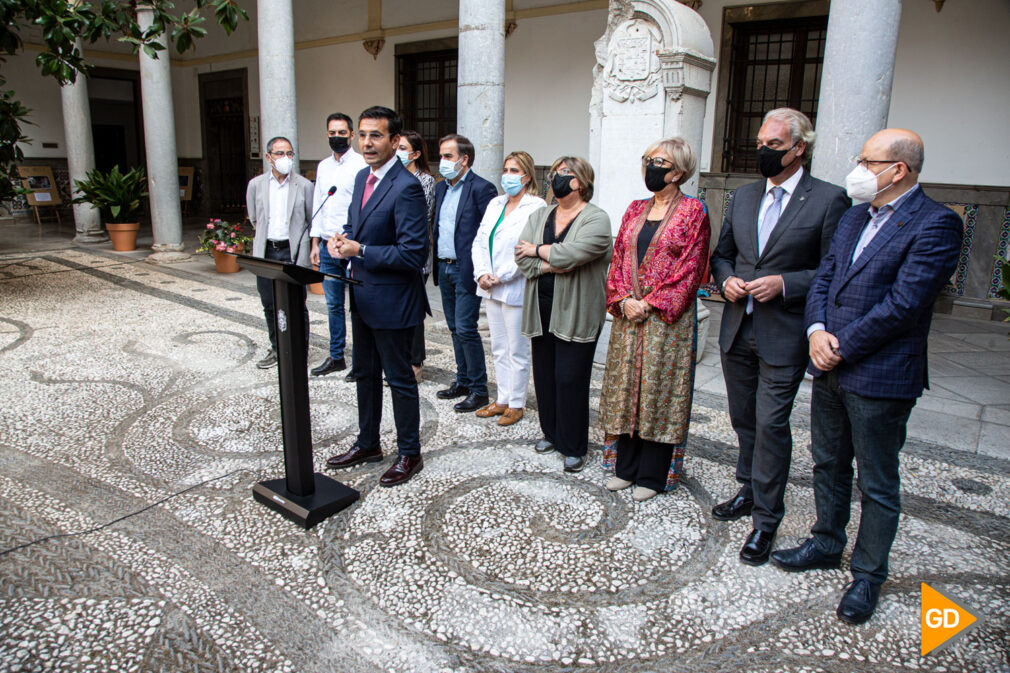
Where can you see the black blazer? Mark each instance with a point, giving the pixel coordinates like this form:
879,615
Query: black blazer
393,226
477,193
794,249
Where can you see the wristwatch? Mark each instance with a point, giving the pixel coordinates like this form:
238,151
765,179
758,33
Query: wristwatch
361,251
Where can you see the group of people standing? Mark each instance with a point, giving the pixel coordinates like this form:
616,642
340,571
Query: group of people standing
810,284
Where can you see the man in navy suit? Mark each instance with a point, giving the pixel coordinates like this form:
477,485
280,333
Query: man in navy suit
386,240
867,317
460,202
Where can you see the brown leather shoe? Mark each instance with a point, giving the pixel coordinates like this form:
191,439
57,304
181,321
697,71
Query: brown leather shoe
402,470
493,409
354,456
510,416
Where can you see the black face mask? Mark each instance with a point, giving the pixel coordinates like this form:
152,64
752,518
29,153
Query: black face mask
339,144
770,161
655,178
561,185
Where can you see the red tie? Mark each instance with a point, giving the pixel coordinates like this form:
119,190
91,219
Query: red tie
369,187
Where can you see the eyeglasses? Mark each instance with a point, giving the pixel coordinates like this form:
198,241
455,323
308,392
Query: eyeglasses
278,155
374,136
864,162
561,171
659,162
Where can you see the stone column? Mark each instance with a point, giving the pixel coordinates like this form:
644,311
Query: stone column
481,82
159,138
653,74
855,92
278,105
80,154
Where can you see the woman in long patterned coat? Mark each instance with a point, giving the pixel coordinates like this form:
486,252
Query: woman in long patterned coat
660,260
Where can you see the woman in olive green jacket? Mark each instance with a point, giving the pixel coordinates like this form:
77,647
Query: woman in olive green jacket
564,252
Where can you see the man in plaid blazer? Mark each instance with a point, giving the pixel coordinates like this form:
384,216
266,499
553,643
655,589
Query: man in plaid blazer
868,314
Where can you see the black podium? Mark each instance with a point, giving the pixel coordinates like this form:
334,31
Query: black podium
302,496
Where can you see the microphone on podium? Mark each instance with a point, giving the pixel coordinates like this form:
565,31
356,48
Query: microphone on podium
331,192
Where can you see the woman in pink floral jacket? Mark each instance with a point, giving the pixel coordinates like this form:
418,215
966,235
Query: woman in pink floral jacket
660,260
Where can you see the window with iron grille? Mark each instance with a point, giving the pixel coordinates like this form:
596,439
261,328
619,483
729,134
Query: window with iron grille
772,64
426,94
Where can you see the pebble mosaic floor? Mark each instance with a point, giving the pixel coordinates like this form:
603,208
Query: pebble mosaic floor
126,383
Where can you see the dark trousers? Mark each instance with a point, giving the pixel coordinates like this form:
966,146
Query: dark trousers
417,351
844,426
265,286
333,290
644,462
378,351
561,374
760,402
462,310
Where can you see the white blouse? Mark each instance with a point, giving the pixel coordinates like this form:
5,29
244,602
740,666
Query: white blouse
506,236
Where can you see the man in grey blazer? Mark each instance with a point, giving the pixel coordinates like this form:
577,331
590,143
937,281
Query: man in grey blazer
773,236
280,210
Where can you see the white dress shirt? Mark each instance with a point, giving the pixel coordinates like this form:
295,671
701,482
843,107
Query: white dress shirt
277,219
339,173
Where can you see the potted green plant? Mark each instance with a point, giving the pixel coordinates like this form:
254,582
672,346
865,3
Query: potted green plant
119,197
220,237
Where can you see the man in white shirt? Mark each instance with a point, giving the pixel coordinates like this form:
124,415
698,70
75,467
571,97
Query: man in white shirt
279,203
334,174
774,233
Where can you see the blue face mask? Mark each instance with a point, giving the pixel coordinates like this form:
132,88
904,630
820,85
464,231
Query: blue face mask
511,183
447,167
403,156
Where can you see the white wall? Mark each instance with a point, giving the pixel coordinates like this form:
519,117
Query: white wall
952,87
548,82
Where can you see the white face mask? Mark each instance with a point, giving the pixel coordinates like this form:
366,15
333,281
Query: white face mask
449,169
283,165
861,183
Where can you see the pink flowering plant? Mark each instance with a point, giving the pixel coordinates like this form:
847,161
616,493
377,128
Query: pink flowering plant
224,236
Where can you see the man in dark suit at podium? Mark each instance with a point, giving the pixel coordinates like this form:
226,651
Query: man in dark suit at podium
386,241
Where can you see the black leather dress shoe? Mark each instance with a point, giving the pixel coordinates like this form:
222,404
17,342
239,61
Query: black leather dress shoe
736,507
473,402
452,392
757,548
329,365
402,470
805,557
351,377
859,601
354,456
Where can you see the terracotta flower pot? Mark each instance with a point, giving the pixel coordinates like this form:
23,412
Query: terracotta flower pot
123,235
316,288
226,263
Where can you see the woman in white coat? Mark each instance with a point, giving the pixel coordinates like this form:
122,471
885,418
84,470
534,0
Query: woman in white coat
501,284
